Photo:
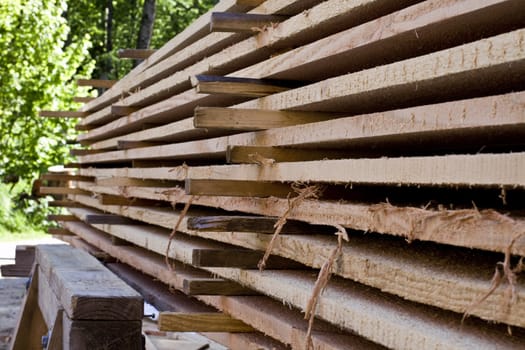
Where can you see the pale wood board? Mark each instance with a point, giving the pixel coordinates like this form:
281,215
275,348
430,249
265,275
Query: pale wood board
472,228
463,71
369,313
389,265
262,313
475,120
325,18
496,170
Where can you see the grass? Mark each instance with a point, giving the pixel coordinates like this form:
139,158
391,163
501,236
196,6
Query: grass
15,223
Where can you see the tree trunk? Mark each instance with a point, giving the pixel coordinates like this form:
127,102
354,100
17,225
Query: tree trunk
107,64
146,25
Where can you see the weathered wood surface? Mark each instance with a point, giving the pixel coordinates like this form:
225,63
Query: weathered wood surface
235,188
358,309
382,263
97,83
483,229
30,320
84,288
240,258
277,321
245,87
136,54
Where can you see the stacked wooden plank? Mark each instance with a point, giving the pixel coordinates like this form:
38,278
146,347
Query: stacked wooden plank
400,124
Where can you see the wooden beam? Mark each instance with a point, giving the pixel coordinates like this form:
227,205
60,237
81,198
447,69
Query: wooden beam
369,90
63,114
60,190
106,199
201,322
242,22
129,144
96,83
64,204
496,170
252,119
85,288
214,286
277,321
260,224
30,320
66,177
235,188
59,231
136,54
83,152
127,181
108,219
176,52
209,84
56,333
118,110
260,155
497,118
56,217
342,296
240,258
83,99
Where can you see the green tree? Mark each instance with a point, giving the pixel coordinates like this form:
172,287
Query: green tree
38,69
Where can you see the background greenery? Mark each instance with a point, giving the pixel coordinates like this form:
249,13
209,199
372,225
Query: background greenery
46,45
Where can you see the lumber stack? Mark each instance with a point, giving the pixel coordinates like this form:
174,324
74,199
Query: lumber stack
378,142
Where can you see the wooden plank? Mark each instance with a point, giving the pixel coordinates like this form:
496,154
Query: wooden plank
59,231
136,54
496,170
56,335
440,29
332,16
235,188
159,295
47,301
201,322
475,69
86,290
129,144
208,84
242,22
436,126
257,154
97,334
64,204
252,119
117,200
260,224
61,217
244,259
30,321
63,114
108,219
60,190
82,152
96,83
188,44
65,177
118,110
214,286
83,99
126,181
357,257
337,301
282,323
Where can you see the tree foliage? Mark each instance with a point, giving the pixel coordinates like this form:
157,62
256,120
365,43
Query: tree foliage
91,16
37,71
